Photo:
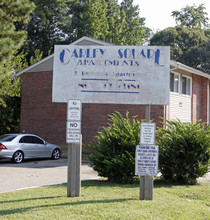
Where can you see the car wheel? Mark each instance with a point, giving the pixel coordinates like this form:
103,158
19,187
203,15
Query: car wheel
56,154
18,157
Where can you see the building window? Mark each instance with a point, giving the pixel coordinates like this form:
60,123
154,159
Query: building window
174,82
186,85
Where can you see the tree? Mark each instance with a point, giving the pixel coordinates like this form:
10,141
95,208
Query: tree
191,16
88,19
199,57
189,43
64,21
96,18
181,40
10,13
49,24
10,89
134,32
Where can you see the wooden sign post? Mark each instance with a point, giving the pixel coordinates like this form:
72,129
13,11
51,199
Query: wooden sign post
74,164
74,140
146,182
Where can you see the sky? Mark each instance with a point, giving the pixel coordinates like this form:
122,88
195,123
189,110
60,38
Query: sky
158,12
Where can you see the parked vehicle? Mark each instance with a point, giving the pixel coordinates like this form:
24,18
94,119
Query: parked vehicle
26,146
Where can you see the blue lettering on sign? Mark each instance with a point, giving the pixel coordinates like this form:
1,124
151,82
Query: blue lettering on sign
127,53
75,54
63,55
85,62
126,57
151,54
121,63
131,54
142,53
66,55
157,56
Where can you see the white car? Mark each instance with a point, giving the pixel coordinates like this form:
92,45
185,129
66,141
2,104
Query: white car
26,146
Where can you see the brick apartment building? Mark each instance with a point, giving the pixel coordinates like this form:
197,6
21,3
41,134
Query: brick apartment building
189,101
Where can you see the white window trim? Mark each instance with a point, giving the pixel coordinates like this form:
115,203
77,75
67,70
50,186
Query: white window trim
188,77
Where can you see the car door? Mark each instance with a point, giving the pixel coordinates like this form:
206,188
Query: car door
27,146
41,148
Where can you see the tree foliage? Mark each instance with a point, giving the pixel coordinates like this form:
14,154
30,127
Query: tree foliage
10,91
11,12
192,16
135,32
189,43
64,21
9,84
49,24
181,40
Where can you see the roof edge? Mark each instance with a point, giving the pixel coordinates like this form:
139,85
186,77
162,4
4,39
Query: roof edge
184,67
91,39
34,65
52,55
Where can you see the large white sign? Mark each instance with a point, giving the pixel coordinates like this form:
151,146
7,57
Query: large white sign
112,74
146,160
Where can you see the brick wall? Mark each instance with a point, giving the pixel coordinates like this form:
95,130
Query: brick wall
95,116
200,98
38,114
48,120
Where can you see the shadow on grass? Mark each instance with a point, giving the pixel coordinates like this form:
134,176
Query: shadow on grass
158,183
30,199
103,182
22,210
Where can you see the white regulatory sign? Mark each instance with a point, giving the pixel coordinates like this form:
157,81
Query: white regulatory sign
146,160
147,135
74,110
73,132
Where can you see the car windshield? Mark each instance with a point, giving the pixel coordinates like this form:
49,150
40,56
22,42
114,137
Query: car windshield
7,137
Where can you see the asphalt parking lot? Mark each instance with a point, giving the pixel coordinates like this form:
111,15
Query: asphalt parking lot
37,173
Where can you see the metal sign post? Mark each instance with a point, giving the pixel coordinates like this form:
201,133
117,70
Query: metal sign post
74,140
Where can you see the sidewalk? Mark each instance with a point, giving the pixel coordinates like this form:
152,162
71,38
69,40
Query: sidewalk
206,178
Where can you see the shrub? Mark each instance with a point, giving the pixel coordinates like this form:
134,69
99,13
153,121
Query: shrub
115,148
184,151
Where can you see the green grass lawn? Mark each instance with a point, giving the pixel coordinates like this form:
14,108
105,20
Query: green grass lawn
104,200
